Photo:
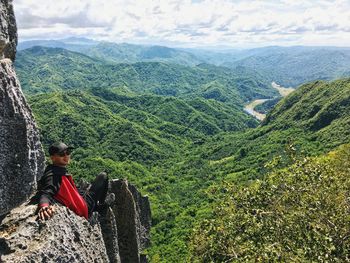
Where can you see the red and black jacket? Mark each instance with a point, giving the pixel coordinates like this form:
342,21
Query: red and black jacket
57,185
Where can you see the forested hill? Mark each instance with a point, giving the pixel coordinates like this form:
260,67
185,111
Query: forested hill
128,53
124,126
314,119
298,214
314,106
47,69
281,215
119,53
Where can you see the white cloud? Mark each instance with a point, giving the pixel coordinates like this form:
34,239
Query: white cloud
207,22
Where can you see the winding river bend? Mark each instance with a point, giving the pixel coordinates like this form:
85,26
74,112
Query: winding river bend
249,108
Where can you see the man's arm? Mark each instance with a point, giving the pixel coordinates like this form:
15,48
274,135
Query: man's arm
47,187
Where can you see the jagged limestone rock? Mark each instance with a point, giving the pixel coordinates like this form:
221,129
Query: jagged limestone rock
133,233
125,212
65,237
8,30
21,155
110,235
143,213
117,235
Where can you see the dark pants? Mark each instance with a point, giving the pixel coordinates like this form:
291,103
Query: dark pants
97,192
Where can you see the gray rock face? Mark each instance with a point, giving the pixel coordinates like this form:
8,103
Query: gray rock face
110,235
143,217
66,237
21,155
133,216
116,235
8,30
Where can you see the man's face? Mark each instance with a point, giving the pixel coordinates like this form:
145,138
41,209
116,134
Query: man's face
61,159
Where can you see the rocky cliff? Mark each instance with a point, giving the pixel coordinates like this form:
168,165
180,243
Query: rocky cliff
8,30
117,234
21,155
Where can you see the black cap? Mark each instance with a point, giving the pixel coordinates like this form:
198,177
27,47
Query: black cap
59,147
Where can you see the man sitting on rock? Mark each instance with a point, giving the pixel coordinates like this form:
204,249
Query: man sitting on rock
56,185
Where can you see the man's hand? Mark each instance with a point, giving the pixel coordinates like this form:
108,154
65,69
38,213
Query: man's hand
46,212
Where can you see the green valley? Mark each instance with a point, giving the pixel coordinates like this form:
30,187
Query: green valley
223,187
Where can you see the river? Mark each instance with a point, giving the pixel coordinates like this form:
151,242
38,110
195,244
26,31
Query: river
251,106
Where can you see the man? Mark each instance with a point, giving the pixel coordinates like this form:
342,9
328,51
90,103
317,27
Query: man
56,185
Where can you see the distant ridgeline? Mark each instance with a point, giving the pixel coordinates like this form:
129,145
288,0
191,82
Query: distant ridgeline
288,66
178,130
59,69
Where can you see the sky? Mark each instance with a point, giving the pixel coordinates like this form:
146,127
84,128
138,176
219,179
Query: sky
189,23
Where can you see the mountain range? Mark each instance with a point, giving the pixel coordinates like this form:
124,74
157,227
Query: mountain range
119,53
287,66
47,69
